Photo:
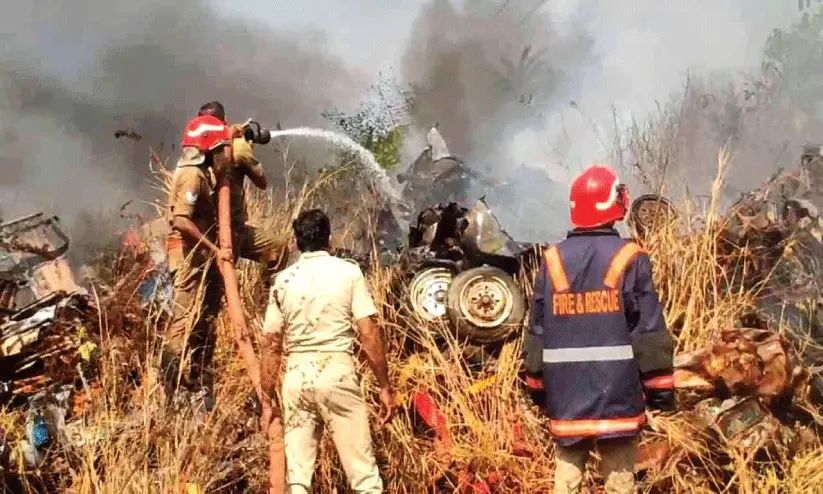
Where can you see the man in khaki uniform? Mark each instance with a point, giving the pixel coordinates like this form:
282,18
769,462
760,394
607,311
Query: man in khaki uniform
191,248
311,306
253,243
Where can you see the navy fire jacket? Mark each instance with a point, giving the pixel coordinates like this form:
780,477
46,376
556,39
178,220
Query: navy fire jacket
597,333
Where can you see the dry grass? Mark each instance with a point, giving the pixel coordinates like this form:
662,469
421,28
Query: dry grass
131,445
695,291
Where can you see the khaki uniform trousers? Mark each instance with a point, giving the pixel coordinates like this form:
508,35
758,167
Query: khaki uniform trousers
324,388
617,460
198,296
260,245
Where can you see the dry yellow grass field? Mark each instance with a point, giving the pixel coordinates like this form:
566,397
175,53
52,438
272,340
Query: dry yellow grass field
130,444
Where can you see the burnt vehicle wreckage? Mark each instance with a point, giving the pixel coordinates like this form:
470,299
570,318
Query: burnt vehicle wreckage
755,385
461,267
457,266
47,351
39,301
770,240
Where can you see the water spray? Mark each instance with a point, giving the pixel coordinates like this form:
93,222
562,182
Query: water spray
365,158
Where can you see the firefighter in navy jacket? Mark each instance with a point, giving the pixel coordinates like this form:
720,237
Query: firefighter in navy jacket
598,336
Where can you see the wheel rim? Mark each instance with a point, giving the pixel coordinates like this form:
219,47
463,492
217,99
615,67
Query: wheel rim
428,293
486,302
650,211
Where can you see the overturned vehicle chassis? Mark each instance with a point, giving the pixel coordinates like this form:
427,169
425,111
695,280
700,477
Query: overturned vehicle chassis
460,267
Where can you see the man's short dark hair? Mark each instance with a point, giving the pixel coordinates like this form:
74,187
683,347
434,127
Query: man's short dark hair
312,230
214,108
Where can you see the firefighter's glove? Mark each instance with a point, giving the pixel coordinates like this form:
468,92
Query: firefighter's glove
239,129
658,388
661,400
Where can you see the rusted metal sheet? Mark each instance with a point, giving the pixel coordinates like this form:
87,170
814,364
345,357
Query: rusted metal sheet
653,455
33,264
743,361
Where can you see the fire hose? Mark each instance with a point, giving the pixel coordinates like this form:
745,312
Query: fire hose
468,482
242,336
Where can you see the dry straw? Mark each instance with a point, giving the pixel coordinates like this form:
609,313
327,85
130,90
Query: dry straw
131,445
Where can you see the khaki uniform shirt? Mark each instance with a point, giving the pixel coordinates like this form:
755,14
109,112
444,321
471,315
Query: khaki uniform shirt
189,196
245,165
315,301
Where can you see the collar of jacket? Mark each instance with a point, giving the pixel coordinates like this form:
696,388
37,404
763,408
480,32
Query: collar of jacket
312,255
593,232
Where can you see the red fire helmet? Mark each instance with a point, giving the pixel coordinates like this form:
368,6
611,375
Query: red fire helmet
206,132
597,197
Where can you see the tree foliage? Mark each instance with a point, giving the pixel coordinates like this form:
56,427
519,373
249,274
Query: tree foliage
378,124
793,63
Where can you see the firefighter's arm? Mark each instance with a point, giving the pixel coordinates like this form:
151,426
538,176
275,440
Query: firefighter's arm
183,205
533,344
223,159
189,230
245,159
652,344
257,176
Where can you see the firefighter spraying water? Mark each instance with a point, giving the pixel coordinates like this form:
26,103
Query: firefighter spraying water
209,142
366,159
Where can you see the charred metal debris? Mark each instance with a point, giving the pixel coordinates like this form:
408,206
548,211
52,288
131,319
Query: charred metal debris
755,389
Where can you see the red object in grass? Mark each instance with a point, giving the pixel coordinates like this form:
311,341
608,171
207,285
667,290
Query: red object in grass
434,418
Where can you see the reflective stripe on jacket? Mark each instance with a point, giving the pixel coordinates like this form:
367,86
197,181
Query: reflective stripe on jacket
602,330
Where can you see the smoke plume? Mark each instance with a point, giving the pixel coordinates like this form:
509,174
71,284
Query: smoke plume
487,70
513,83
71,76
602,66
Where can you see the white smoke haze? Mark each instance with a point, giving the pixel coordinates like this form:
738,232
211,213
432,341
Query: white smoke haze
609,63
644,50
69,77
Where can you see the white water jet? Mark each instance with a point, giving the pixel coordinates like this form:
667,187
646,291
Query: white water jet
372,168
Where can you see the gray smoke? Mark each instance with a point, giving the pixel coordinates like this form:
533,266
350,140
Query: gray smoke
607,64
488,71
700,59
72,75
763,116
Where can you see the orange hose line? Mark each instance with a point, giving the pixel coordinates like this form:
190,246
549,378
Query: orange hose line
277,459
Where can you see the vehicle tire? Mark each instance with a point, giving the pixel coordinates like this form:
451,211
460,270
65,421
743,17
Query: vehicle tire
427,293
485,304
648,213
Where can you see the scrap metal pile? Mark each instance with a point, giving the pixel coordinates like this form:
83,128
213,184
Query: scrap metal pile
44,314
48,344
50,337
747,392
757,389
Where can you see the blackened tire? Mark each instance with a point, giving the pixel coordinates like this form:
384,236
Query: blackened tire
485,305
